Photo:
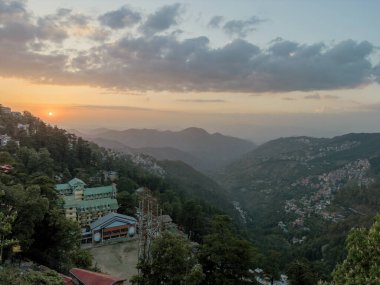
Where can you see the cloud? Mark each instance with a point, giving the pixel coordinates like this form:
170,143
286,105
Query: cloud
164,18
315,96
31,48
110,107
241,28
376,73
331,97
12,11
288,99
201,100
121,18
216,21
375,107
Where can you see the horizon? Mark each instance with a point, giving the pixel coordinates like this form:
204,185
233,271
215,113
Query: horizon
256,71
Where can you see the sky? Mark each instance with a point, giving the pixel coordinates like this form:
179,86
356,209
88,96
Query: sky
248,68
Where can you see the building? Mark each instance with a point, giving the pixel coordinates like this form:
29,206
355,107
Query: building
4,139
85,277
24,127
6,168
5,110
111,226
86,205
110,175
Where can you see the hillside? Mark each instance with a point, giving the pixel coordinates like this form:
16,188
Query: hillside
190,181
195,146
303,194
35,156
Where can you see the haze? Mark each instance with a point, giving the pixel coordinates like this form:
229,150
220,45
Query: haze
252,69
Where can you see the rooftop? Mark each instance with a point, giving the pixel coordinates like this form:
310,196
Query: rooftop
61,187
95,278
67,280
71,202
75,182
110,218
98,190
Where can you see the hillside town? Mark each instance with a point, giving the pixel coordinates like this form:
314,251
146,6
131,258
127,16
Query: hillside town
320,190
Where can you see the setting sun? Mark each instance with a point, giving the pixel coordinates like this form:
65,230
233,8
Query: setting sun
50,114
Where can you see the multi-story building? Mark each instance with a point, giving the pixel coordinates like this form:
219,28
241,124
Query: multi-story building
86,205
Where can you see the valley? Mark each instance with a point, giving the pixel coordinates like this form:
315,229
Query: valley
290,195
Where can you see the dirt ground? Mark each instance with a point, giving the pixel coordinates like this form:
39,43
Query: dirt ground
117,259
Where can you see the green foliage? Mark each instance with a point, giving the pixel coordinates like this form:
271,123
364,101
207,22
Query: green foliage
362,265
41,278
173,262
82,258
301,273
225,258
127,203
10,275
6,221
6,158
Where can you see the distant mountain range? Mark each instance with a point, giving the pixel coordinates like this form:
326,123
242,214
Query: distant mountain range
194,146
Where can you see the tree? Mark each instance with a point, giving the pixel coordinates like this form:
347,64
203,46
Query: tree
226,259
362,265
31,208
127,203
173,263
7,217
301,273
82,258
126,184
6,158
11,275
42,278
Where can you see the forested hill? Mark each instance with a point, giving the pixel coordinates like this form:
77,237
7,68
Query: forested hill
35,156
304,194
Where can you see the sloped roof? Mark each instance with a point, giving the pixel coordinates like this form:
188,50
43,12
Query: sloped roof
98,190
61,187
71,202
110,218
76,181
94,278
67,280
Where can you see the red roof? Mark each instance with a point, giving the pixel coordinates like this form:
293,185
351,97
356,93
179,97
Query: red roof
94,278
6,168
67,280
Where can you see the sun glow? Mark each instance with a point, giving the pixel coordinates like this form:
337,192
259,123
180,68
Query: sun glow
50,114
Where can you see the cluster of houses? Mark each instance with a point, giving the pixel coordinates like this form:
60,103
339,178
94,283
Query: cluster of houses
4,137
320,192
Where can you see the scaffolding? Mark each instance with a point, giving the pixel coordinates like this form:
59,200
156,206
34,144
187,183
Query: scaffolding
149,223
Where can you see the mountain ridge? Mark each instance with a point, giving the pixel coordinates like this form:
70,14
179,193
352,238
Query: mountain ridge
195,146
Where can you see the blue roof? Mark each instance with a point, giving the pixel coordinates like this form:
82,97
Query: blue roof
110,218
